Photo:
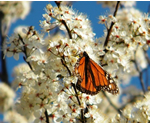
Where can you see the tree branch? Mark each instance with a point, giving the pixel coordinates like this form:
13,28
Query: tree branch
146,56
140,77
76,94
148,61
105,44
140,73
73,85
25,51
4,27
63,21
131,101
46,115
58,3
110,102
68,30
111,26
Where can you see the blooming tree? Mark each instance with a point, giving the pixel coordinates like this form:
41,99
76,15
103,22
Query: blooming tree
46,81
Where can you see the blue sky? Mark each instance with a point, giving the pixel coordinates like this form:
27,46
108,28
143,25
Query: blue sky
91,9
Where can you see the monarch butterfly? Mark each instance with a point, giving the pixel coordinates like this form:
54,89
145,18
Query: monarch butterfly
92,78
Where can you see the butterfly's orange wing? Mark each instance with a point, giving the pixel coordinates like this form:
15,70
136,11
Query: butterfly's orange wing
92,78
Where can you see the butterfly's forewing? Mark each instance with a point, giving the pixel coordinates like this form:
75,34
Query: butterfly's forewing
84,83
103,80
92,78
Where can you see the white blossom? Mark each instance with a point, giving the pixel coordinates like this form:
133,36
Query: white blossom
7,97
47,79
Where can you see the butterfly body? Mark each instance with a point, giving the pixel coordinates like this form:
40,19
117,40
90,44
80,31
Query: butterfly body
92,78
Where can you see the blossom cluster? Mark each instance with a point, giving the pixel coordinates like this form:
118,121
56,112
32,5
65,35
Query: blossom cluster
14,10
138,112
7,96
47,78
47,81
14,117
128,41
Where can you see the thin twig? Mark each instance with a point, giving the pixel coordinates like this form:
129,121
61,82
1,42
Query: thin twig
148,61
110,102
146,56
63,60
111,26
76,94
63,21
131,101
73,85
105,44
58,3
25,51
116,9
140,77
147,78
140,73
82,112
46,115
4,27
68,30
